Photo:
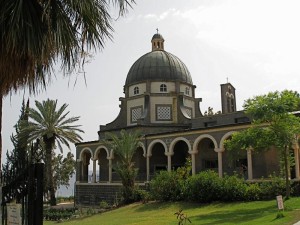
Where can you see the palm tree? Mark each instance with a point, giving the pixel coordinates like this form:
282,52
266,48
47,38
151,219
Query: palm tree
51,125
36,34
125,147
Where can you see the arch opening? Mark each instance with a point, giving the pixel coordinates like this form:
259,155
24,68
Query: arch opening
86,166
102,166
206,158
158,160
180,155
140,163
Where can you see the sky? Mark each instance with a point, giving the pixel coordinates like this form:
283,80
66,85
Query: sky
254,44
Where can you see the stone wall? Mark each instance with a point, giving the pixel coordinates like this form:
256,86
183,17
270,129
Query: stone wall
93,194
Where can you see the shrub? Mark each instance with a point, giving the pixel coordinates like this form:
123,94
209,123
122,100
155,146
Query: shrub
184,172
295,188
166,186
141,195
71,198
203,187
127,194
253,192
58,214
206,187
103,205
233,188
90,211
273,187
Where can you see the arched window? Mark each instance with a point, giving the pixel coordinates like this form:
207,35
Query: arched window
136,90
163,88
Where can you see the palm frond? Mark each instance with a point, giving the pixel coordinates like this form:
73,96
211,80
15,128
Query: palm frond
34,34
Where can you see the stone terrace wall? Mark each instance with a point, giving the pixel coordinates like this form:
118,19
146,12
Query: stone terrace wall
92,195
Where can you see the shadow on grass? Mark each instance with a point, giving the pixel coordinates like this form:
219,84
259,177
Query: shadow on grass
217,213
237,216
185,205
152,206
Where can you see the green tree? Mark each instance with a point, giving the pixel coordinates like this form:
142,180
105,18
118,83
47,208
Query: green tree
125,146
274,124
64,169
37,34
17,159
51,125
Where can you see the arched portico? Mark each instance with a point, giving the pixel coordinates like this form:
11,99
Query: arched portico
85,156
101,173
242,165
203,154
201,137
157,152
84,151
179,150
139,160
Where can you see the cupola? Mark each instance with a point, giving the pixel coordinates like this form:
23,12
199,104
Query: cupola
157,42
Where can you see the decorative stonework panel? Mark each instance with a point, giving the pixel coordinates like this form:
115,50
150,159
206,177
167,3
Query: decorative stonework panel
188,112
136,113
163,112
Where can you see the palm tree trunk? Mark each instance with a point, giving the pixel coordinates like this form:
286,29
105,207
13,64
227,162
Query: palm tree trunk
1,104
49,142
287,168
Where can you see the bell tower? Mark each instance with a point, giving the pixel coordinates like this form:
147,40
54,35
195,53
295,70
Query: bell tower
228,98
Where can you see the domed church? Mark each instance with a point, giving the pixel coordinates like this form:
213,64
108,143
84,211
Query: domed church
159,101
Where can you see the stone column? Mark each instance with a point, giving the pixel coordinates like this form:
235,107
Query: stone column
148,167
99,167
94,171
297,167
220,162
249,162
85,171
193,158
79,170
169,155
109,170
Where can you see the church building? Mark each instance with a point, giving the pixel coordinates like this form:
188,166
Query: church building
159,100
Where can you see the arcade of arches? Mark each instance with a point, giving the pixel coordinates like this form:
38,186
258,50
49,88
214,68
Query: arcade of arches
168,153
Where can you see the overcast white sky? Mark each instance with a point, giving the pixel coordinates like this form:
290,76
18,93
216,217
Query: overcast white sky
255,43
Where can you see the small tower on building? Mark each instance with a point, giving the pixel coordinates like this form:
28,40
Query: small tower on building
157,42
228,99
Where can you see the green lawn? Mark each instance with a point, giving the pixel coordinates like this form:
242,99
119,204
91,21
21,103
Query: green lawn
259,212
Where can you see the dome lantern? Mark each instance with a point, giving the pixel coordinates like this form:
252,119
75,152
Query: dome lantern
157,42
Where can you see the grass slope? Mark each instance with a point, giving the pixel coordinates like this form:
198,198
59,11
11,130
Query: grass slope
258,212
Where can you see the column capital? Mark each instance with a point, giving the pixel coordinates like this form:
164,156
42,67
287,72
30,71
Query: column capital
169,153
250,148
249,151
295,146
219,149
193,152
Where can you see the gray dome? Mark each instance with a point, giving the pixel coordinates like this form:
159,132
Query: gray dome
158,66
